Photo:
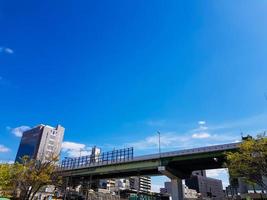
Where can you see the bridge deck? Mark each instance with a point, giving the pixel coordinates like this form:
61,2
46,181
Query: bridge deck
153,157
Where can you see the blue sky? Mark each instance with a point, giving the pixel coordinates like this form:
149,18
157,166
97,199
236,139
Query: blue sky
114,72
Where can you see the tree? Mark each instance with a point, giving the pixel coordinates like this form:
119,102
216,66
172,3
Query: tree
5,179
29,176
250,161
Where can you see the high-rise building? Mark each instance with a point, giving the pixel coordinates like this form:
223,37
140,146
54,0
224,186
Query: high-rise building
141,184
41,142
167,188
207,187
188,193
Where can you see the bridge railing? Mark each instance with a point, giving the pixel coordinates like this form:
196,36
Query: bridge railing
221,147
115,156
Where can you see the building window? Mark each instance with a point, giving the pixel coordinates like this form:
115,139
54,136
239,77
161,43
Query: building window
52,137
51,142
50,147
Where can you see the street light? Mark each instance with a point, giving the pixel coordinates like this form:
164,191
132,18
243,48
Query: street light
159,149
80,152
159,144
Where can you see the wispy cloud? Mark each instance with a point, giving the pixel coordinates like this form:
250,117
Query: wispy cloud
6,161
204,134
168,139
6,50
196,137
155,123
173,140
201,122
3,149
201,135
201,131
73,149
18,131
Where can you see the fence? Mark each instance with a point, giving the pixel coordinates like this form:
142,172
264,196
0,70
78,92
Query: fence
115,156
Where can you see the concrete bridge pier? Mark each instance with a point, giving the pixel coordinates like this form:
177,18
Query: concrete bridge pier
177,190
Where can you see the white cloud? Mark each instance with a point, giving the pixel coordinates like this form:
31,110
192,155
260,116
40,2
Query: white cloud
3,149
9,51
201,127
18,131
201,122
74,149
201,131
201,135
72,146
6,50
215,173
169,139
6,161
175,141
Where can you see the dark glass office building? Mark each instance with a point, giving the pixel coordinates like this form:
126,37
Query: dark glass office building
40,142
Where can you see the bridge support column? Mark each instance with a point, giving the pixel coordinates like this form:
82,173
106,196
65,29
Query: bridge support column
177,190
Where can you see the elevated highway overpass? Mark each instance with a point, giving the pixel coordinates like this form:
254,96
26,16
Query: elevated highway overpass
182,162
177,165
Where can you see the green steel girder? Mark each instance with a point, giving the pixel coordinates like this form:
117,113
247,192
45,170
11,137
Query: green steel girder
166,161
114,168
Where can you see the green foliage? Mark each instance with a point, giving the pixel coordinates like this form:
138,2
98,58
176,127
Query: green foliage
5,179
250,162
29,176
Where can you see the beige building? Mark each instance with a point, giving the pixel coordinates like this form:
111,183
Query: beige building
142,184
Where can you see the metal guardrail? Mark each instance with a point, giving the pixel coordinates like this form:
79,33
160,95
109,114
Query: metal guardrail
220,147
115,156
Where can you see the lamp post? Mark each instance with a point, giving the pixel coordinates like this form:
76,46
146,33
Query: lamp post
80,152
159,149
